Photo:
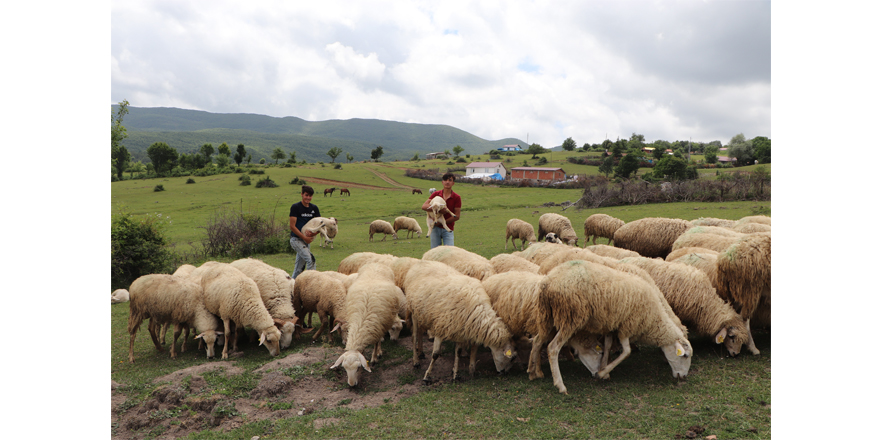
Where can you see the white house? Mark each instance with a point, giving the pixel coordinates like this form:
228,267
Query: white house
510,148
486,168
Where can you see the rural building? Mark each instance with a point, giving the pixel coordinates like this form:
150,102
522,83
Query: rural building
510,148
482,169
535,173
437,155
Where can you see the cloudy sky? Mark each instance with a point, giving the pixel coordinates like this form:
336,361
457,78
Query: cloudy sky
540,70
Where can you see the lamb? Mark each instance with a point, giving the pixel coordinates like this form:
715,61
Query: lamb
559,225
508,262
119,296
169,298
410,224
522,230
319,292
371,306
326,226
464,261
435,214
584,296
693,299
601,225
454,307
744,277
276,291
611,252
381,226
514,296
353,262
651,236
231,295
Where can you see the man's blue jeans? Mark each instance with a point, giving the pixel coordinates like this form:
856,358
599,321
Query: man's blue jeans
304,258
441,236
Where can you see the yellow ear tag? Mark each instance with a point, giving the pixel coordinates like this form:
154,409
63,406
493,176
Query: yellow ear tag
679,352
598,347
508,353
719,339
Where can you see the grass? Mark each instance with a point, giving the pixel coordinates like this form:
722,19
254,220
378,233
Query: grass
729,397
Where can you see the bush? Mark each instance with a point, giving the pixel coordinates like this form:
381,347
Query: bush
137,247
245,180
158,188
190,180
255,171
266,183
337,166
298,181
238,234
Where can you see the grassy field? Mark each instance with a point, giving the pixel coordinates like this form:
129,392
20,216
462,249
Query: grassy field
730,398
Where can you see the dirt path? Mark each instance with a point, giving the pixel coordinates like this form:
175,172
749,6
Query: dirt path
340,184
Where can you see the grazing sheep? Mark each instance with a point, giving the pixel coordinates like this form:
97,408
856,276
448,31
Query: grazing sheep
326,226
464,261
381,226
717,230
584,296
552,238
514,296
276,291
170,299
522,230
508,262
372,306
119,296
231,295
570,254
652,236
353,262
322,293
432,190
693,299
559,225
410,224
184,270
763,219
681,252
611,252
454,307
537,252
435,214
601,225
715,242
712,221
750,227
744,277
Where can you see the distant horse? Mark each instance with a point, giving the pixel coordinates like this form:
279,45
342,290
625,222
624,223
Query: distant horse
344,191
416,191
329,191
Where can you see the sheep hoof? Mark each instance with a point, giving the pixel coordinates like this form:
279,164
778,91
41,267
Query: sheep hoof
416,366
426,381
421,355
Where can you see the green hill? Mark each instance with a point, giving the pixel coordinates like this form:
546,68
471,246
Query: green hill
187,130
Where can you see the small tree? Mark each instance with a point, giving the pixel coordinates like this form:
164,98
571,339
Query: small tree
569,144
607,166
137,247
118,153
457,150
239,154
333,153
162,156
414,158
349,157
761,149
535,150
670,168
224,149
207,151
628,164
376,153
277,154
711,154
222,160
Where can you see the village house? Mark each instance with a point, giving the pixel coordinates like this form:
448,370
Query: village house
510,148
485,169
535,173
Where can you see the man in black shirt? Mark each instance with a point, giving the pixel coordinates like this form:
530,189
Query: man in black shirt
300,214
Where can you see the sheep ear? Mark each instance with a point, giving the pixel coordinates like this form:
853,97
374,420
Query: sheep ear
364,362
719,338
199,336
336,327
679,350
262,339
338,362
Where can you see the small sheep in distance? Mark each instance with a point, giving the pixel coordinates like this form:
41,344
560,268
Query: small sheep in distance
410,224
559,225
381,226
522,230
326,226
601,225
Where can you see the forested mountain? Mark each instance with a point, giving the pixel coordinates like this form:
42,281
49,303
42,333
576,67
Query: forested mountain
188,130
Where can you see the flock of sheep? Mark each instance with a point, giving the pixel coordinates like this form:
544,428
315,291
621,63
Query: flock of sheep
664,281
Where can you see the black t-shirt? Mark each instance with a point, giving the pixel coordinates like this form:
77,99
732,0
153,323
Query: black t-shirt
303,215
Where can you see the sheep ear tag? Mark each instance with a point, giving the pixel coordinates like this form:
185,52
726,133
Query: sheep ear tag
679,352
508,353
719,339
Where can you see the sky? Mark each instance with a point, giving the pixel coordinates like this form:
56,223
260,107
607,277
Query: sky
540,71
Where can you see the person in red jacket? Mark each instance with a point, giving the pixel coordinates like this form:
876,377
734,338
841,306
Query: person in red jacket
453,213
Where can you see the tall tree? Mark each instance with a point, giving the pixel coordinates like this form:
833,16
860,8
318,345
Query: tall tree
376,153
162,156
618,148
118,153
224,149
761,148
741,149
240,154
628,164
569,144
277,154
607,166
333,153
207,151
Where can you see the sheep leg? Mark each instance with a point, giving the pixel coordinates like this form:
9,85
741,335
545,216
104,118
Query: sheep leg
455,361
131,342
153,329
323,317
185,338
225,339
163,332
562,337
472,367
416,340
534,368
750,344
609,339
434,355
376,349
624,342
177,330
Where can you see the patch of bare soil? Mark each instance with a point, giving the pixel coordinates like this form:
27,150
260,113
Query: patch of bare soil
180,406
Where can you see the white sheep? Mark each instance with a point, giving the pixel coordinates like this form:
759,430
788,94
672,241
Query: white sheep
743,271
435,214
715,242
235,298
763,219
537,252
326,226
601,225
454,307
119,296
432,190
371,308
712,221
170,299
462,260
276,291
519,229
581,296
651,237
611,251
322,293
508,262
559,225
353,262
693,299
751,227
410,224
381,226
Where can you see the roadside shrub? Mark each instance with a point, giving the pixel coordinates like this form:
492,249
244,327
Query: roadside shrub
240,234
245,180
138,247
158,188
190,180
266,183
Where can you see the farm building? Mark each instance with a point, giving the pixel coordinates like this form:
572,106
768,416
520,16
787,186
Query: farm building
510,148
437,155
535,173
485,168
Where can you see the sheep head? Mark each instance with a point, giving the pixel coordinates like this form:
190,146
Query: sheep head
210,338
351,360
270,337
589,351
394,333
732,338
551,238
679,355
503,356
287,327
